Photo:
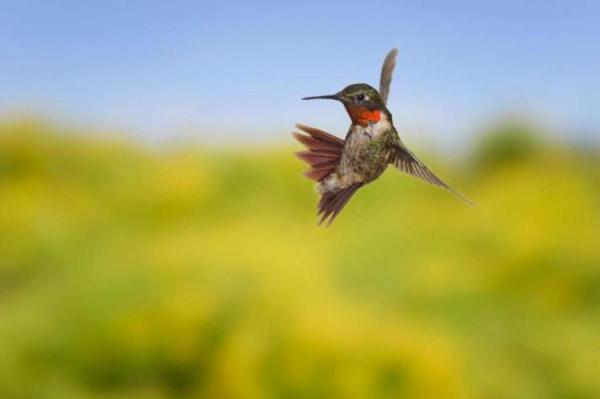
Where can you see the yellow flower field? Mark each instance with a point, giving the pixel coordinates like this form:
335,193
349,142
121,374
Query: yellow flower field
132,272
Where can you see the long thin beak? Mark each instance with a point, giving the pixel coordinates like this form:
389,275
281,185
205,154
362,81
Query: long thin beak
327,97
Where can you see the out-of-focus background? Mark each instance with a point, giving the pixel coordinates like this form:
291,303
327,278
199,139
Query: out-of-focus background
158,240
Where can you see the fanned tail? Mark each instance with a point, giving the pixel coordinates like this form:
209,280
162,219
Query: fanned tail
324,151
323,155
332,202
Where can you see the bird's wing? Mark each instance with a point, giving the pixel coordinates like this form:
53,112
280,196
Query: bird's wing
387,69
407,162
324,151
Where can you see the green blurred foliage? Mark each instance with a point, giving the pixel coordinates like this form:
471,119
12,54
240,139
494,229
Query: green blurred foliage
128,272
508,141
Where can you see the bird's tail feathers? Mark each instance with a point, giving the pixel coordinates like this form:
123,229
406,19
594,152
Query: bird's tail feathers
332,202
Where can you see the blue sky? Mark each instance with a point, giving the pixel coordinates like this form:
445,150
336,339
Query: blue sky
229,71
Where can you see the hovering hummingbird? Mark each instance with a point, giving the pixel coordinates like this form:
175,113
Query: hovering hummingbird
341,167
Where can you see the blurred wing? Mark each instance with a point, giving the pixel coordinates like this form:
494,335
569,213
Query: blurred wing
324,151
387,70
407,162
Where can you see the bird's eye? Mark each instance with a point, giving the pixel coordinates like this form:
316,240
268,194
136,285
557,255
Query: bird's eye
360,97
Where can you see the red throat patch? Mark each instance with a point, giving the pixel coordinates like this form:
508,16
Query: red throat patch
362,116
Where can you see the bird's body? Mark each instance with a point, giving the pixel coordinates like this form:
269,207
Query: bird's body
366,154
372,143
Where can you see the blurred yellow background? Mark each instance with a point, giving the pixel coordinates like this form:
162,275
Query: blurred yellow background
128,271
158,239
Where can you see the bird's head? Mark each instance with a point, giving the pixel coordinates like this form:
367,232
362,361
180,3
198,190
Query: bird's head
363,103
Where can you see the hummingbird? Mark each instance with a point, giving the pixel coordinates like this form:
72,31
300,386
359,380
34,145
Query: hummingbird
341,167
